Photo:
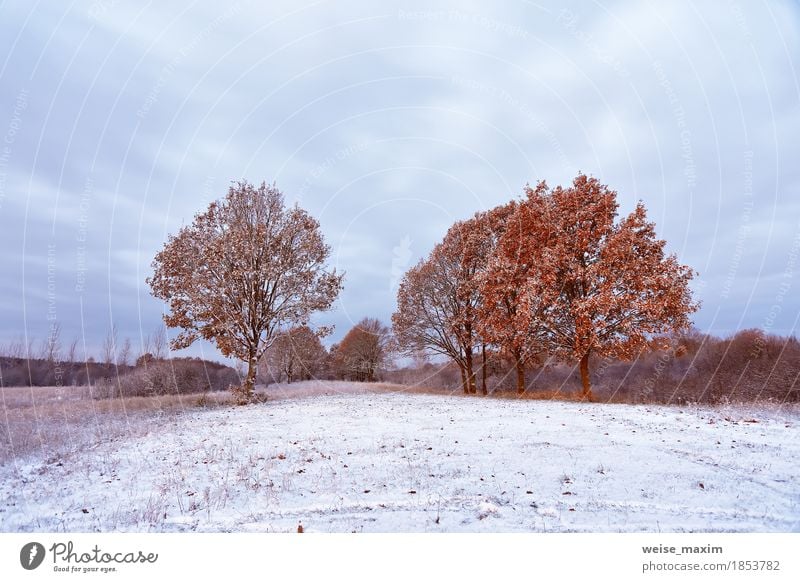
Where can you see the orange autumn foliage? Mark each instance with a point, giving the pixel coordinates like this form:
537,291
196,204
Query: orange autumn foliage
243,270
438,302
594,285
554,275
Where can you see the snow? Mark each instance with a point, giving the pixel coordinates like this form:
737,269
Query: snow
358,460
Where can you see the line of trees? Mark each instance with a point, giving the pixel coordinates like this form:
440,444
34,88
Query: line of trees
692,367
51,361
552,276
117,372
363,355
111,351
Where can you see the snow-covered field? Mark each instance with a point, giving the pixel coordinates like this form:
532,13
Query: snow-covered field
352,460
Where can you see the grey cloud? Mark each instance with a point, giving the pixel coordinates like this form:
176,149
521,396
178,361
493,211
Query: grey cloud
390,122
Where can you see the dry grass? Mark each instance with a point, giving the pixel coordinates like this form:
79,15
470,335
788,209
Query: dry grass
329,387
54,420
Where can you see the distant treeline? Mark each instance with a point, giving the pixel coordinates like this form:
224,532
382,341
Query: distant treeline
749,366
149,376
42,372
697,368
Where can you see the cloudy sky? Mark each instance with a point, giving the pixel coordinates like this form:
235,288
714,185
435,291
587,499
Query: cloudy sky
120,120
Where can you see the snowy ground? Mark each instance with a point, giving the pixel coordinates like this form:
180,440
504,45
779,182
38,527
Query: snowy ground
388,462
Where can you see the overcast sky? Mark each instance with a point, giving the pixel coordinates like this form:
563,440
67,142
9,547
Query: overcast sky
120,120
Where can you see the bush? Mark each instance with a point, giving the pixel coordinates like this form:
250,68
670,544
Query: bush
169,377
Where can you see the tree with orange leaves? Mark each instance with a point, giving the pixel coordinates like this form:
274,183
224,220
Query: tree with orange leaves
243,270
422,321
363,352
508,316
596,286
438,302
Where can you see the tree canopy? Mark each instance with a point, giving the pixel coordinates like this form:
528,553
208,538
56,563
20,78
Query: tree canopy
244,269
553,275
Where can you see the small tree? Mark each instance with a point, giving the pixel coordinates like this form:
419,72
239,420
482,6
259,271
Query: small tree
125,353
159,343
243,270
109,348
71,351
363,352
51,349
296,354
144,360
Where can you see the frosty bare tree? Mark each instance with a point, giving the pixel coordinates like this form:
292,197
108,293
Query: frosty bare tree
72,350
109,348
51,349
244,269
158,341
296,354
125,351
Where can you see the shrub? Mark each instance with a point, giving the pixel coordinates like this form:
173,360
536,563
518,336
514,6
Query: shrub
165,377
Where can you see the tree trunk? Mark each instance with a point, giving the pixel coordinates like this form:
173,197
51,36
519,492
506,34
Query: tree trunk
473,388
464,383
250,380
483,370
587,386
520,365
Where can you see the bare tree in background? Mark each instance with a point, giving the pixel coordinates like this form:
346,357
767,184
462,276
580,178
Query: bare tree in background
109,347
125,353
16,349
72,349
159,343
51,348
145,346
296,354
